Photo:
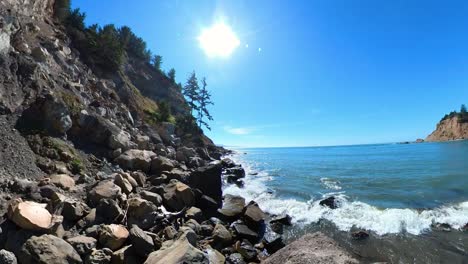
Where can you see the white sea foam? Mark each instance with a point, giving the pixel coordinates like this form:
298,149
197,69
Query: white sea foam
349,213
330,184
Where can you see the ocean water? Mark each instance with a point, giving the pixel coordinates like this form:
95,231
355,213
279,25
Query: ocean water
388,189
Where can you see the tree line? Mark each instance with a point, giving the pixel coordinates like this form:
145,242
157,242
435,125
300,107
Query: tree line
108,47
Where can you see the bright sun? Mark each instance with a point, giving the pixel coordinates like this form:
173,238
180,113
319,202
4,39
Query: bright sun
218,41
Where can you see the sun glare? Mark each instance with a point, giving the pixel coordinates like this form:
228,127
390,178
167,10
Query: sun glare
218,41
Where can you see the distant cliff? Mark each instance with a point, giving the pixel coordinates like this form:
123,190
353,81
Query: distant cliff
452,127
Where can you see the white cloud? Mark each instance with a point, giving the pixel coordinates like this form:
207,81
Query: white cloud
238,130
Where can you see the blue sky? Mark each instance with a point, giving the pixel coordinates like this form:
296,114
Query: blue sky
314,72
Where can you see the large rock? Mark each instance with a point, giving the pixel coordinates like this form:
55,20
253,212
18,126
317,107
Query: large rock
232,206
208,180
99,256
104,190
123,183
30,215
184,154
7,257
312,248
181,251
62,180
142,213
135,159
253,215
48,113
94,128
47,249
113,236
40,54
160,164
142,242
178,196
221,236
82,244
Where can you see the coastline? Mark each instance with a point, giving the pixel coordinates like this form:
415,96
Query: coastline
374,247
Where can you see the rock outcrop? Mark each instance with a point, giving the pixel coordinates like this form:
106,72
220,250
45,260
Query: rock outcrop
312,248
450,128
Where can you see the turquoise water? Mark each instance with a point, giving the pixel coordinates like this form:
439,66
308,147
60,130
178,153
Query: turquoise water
386,188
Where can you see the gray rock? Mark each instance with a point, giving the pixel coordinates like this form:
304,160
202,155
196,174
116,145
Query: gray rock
135,159
208,180
152,197
143,243
160,164
7,257
104,190
47,249
232,206
184,154
82,244
40,54
312,248
178,196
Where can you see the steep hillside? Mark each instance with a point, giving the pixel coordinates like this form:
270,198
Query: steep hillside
451,127
101,160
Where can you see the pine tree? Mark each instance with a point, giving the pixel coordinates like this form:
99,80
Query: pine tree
204,100
171,74
157,61
463,109
191,92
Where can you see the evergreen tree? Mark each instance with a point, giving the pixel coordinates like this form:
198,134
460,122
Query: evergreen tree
171,74
204,100
157,61
463,109
191,92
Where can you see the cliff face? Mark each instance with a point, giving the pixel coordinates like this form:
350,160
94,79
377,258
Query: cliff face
451,128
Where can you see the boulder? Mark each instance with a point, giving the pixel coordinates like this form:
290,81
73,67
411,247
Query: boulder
184,154
194,213
273,243
113,236
359,235
329,202
143,243
215,257
47,249
236,171
104,190
142,141
74,210
243,231
123,183
48,113
181,251
178,196
135,159
232,207
108,211
178,174
62,180
139,177
120,140
236,258
152,197
94,128
7,257
311,248
30,215
227,163
125,255
82,244
208,180
253,215
142,213
246,249
221,236
160,164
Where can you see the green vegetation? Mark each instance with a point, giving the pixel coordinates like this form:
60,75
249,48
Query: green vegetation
107,48
198,99
462,115
157,61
